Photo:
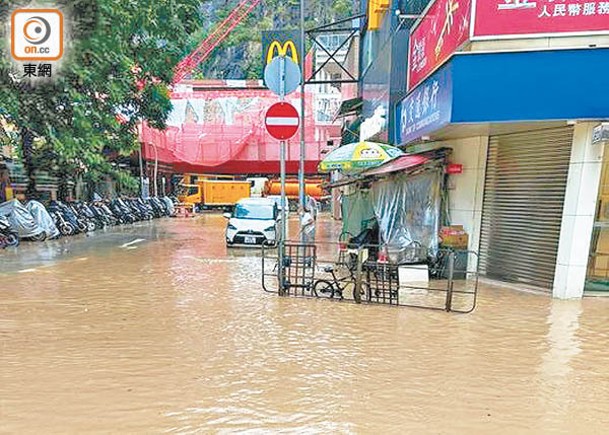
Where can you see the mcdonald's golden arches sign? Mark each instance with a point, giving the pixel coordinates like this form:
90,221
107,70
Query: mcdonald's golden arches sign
280,43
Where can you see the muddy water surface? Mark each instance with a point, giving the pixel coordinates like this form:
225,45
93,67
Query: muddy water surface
158,328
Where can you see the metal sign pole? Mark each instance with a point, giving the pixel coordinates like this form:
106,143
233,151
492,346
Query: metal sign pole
301,170
284,233
282,153
282,77
283,226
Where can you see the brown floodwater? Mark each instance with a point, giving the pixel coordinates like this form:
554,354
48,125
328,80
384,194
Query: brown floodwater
158,328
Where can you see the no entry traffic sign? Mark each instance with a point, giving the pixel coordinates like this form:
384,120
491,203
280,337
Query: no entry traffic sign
282,121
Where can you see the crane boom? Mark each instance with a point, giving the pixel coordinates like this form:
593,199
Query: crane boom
215,38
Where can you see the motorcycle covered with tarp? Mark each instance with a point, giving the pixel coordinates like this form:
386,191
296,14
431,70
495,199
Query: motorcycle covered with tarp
21,220
169,205
43,219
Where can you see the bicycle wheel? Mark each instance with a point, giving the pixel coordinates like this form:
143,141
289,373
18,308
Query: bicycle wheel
326,289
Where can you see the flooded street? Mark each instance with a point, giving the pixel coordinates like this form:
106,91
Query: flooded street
159,328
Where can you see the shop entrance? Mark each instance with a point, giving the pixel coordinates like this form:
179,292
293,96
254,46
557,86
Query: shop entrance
598,264
525,185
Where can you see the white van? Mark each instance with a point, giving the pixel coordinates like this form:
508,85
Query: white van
254,221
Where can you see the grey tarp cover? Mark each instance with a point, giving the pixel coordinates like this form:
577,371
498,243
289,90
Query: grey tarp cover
43,219
169,204
407,208
21,219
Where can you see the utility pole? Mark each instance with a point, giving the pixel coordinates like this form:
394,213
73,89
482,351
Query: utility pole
141,170
156,170
284,200
301,171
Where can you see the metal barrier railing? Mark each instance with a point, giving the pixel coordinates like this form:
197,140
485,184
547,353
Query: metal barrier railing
446,280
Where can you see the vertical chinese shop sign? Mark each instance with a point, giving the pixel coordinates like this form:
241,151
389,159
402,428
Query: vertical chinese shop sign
497,19
444,27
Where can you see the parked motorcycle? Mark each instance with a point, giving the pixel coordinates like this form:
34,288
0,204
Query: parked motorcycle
122,211
35,222
65,219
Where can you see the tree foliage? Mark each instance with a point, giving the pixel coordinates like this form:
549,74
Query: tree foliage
120,60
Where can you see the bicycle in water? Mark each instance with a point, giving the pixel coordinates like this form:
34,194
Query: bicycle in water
336,287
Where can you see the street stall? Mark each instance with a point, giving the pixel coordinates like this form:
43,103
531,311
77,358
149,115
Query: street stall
389,250
405,198
407,209
351,162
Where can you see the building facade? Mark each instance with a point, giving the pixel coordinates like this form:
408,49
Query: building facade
519,91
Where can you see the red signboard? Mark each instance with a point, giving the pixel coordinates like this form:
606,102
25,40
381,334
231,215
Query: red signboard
282,121
442,30
496,19
454,168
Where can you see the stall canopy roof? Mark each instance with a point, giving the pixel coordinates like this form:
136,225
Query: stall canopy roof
399,164
349,107
408,163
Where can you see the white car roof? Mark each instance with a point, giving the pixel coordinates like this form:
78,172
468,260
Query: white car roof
256,201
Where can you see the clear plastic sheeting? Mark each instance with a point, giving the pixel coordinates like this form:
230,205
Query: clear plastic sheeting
21,220
407,208
43,219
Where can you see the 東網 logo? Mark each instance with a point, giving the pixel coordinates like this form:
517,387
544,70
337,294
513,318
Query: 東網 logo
37,34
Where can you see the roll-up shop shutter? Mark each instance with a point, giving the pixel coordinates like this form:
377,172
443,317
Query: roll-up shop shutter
526,178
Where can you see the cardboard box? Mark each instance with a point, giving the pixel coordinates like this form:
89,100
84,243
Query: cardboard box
452,230
454,236
602,245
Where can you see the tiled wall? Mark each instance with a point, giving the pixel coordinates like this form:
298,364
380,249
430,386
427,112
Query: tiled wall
578,214
466,190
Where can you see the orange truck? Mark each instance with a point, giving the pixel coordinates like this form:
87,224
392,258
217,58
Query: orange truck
207,193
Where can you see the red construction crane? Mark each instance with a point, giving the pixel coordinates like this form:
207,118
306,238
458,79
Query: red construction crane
202,52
